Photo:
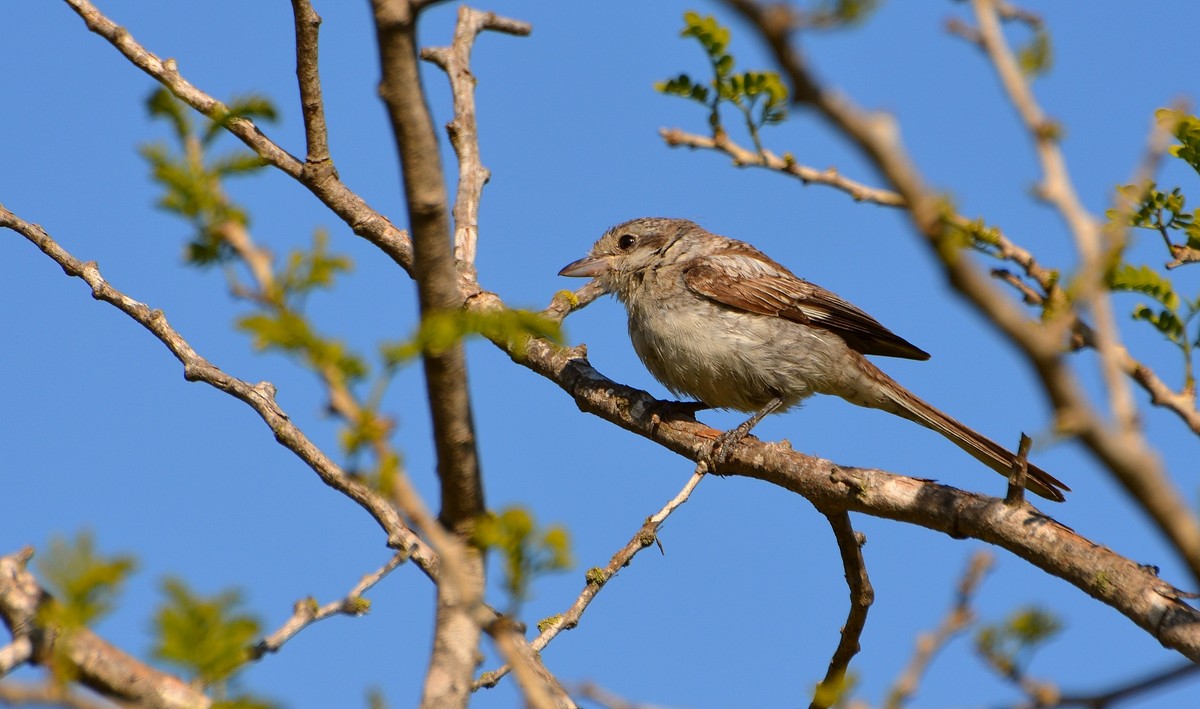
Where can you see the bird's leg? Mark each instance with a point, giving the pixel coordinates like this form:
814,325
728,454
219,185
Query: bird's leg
719,450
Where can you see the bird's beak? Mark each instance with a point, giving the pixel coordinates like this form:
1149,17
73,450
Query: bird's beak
586,267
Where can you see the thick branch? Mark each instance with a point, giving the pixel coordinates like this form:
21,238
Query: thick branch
456,639
1125,585
97,664
308,27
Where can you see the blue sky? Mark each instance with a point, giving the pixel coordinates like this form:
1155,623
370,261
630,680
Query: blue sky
101,432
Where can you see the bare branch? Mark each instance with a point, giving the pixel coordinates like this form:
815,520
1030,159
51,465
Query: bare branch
47,693
317,177
956,620
306,611
862,595
597,577
743,157
463,130
1129,690
260,397
308,26
1058,189
97,664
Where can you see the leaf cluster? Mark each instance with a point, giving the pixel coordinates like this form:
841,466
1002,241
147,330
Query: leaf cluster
280,324
527,551
207,637
1146,206
1008,646
761,96
439,331
192,182
84,583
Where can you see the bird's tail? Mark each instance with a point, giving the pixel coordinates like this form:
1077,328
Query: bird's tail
983,449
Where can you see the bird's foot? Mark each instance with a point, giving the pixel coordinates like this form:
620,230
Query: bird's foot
716,453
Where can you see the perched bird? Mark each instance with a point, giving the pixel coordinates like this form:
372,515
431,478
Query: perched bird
717,320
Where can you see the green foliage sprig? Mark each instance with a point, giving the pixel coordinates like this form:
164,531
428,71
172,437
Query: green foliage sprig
193,182
760,96
84,583
1165,212
526,550
1009,646
208,637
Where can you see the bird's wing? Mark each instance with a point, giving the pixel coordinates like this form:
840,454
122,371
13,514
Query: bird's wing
745,278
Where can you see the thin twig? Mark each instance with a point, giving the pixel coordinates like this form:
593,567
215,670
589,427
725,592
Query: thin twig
1129,690
306,611
956,620
862,595
646,535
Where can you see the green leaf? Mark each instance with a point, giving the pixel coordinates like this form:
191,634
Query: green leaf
84,583
1010,644
1165,321
206,636
1036,57
1143,279
527,550
440,331
161,103
1186,129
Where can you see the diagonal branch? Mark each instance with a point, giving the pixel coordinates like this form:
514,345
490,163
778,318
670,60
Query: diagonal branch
1122,450
97,664
259,397
955,621
596,577
307,612
317,177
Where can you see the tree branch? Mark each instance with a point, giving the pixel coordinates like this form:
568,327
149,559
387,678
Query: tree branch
320,179
316,138
1120,449
956,620
463,130
830,690
596,577
259,397
306,611
97,664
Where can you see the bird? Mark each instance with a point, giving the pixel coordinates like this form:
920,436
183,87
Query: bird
716,320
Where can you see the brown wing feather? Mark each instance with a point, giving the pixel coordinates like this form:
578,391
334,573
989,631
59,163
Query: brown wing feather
759,285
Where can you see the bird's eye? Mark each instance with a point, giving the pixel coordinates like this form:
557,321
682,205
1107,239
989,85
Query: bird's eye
626,241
